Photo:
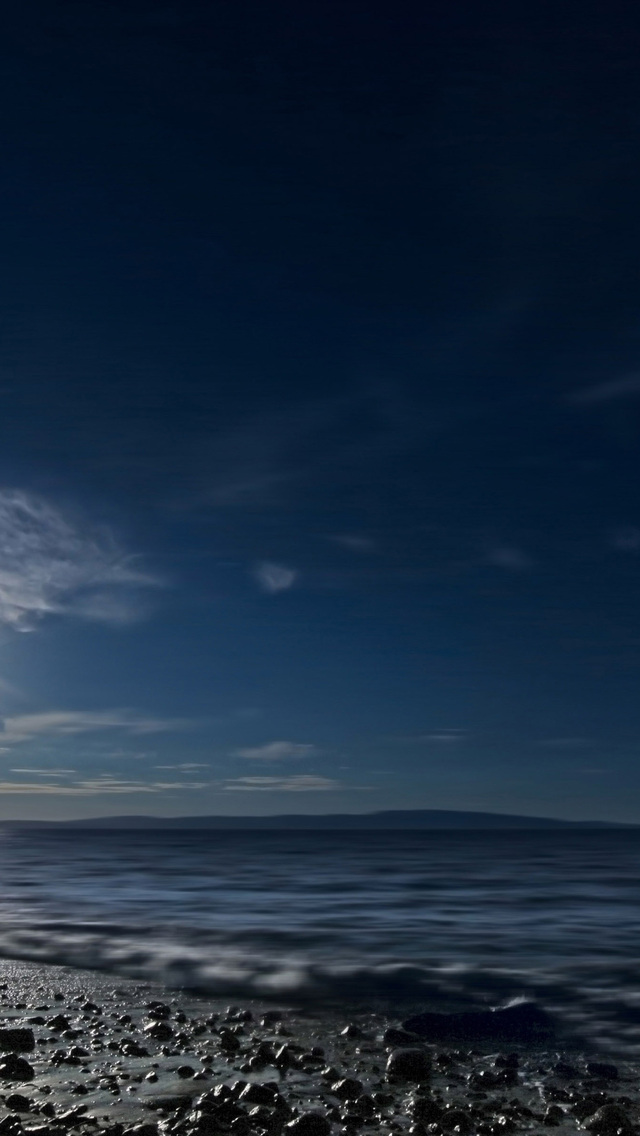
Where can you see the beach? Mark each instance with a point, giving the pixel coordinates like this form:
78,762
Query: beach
119,1055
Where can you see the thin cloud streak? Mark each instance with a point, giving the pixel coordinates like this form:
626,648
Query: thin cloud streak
67,723
606,392
276,751
302,784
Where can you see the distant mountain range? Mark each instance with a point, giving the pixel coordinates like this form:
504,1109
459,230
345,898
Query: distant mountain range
398,819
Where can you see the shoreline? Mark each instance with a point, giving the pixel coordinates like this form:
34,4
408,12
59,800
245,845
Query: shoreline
115,1054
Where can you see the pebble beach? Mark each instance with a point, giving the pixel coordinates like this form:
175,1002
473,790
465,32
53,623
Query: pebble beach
82,1052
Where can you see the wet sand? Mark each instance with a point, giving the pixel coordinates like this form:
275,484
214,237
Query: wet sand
119,1055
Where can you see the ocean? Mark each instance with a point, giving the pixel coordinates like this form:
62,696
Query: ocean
402,920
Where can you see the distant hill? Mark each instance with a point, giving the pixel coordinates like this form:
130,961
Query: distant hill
407,819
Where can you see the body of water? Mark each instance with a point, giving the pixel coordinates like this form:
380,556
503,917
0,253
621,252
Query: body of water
444,920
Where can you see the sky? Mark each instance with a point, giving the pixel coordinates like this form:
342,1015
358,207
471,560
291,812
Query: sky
319,408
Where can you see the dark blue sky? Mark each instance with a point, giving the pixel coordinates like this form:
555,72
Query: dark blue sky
320,396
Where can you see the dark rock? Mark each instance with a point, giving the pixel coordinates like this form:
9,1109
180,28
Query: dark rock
394,1036
10,1125
351,1032
408,1065
348,1088
159,1030
524,1022
229,1041
270,1017
563,1069
603,1070
309,1124
608,1120
132,1049
158,1010
13,1068
17,1103
257,1094
60,1022
19,1040
185,1071
507,1061
456,1118
426,1110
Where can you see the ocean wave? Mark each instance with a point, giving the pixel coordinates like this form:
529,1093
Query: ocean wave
593,1003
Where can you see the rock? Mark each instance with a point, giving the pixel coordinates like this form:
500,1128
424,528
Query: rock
394,1036
524,1022
507,1061
608,1120
158,1010
229,1041
270,1017
13,1068
563,1069
603,1070
17,1103
160,1030
457,1118
60,1022
309,1124
553,1116
348,1088
351,1032
19,1040
185,1071
426,1110
408,1065
254,1093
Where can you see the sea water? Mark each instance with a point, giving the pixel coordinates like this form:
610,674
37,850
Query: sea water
440,920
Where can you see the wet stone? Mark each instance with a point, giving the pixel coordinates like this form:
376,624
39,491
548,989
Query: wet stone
348,1088
19,1040
159,1030
603,1070
13,1068
608,1120
408,1065
18,1103
309,1124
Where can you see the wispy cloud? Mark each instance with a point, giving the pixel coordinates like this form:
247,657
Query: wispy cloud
511,559
97,787
626,539
567,743
67,723
446,735
301,784
277,751
273,578
46,772
354,542
51,564
185,766
628,387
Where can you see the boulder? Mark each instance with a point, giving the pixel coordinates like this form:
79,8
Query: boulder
524,1022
